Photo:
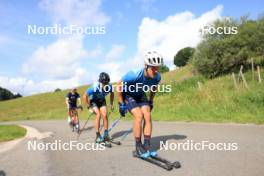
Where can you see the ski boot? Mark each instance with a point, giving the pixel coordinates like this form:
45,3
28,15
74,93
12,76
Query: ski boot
147,147
141,151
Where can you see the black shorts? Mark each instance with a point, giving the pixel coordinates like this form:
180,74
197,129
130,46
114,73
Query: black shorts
72,106
97,103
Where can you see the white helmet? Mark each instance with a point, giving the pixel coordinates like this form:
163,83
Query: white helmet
152,58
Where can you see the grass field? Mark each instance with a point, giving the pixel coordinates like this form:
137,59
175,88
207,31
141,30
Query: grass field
10,132
216,101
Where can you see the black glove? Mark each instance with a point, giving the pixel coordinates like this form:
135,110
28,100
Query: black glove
122,109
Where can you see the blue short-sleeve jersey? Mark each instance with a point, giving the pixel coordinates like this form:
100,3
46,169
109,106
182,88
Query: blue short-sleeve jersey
135,78
96,92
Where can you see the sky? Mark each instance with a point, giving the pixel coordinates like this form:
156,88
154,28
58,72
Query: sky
36,63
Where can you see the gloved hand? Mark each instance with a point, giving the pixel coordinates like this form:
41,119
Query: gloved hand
122,109
151,105
90,109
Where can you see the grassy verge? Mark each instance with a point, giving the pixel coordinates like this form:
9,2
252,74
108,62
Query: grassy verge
10,132
216,101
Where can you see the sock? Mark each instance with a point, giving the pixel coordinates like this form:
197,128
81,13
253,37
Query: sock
146,139
138,141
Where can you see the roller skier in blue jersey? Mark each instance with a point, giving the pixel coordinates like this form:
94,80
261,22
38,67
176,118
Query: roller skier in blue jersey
132,97
94,98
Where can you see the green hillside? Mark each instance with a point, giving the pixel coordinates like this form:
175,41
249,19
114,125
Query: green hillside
216,101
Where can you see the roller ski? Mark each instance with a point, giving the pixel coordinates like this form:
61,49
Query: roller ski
154,154
152,157
101,141
175,164
110,140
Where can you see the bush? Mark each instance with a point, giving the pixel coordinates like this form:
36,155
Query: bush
183,56
222,54
57,90
7,95
164,69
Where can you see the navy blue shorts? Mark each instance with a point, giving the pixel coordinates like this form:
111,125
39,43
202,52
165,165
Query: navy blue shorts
132,102
72,106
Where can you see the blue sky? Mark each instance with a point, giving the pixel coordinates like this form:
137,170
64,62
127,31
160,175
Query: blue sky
36,63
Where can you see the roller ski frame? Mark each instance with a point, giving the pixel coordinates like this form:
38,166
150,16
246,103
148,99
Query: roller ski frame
175,164
112,141
104,143
159,161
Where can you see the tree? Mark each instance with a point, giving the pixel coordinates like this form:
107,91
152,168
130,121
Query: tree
164,68
221,54
57,90
6,94
17,95
183,56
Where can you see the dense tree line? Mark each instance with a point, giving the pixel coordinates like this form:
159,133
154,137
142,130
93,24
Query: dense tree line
7,95
219,54
183,56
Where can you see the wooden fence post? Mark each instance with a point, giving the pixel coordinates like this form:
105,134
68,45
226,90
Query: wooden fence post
234,79
259,76
243,77
199,85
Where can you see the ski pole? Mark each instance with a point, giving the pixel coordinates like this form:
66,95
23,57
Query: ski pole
114,124
91,113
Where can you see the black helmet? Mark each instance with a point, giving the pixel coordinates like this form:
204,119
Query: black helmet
104,78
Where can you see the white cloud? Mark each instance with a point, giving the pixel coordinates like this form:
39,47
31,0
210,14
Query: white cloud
14,84
167,37
61,61
115,52
95,53
174,33
113,64
27,86
59,65
77,12
114,69
58,60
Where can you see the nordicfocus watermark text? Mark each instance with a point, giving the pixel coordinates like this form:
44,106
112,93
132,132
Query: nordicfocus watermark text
227,30
190,145
135,88
58,145
65,30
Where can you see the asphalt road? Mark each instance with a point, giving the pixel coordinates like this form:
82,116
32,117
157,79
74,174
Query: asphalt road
244,157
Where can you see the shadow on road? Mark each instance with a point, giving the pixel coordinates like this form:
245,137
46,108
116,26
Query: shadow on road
121,133
155,140
2,173
87,128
